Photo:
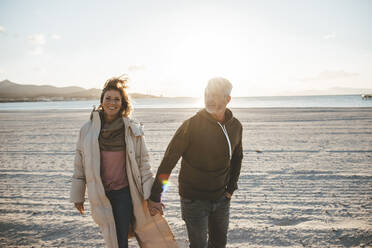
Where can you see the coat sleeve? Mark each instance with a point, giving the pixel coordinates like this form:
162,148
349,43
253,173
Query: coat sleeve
78,186
236,163
147,177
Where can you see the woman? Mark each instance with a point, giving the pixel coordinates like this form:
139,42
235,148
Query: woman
112,162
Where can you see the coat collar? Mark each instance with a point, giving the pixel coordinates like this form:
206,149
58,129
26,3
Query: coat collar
137,128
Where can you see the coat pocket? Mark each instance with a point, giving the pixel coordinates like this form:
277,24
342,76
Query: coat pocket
102,216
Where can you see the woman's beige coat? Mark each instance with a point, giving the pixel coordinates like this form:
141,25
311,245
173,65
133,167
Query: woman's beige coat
150,231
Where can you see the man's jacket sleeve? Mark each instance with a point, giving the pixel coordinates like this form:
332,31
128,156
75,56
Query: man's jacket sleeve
174,151
236,163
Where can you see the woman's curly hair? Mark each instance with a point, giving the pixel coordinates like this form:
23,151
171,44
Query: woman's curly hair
119,84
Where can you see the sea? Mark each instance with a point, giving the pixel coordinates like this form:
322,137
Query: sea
188,102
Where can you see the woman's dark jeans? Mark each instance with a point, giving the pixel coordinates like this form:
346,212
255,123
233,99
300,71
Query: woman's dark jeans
122,209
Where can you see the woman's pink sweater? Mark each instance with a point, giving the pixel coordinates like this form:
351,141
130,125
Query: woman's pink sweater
113,172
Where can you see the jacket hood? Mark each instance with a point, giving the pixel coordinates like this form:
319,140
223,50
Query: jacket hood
228,116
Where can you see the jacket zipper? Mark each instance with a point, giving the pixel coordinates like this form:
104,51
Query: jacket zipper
227,138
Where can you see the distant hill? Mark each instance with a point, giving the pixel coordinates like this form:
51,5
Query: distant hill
12,92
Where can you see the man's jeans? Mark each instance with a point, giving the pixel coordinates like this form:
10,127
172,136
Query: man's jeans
206,218
122,209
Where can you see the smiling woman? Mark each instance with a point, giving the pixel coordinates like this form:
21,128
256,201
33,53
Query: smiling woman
112,163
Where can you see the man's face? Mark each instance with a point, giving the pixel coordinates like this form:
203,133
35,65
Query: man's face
215,101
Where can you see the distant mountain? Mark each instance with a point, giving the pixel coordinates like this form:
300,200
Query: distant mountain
10,91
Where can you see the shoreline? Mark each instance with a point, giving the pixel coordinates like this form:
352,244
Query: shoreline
185,109
58,99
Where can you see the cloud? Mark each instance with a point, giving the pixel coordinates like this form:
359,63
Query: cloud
133,68
37,50
329,36
2,29
55,37
37,39
330,75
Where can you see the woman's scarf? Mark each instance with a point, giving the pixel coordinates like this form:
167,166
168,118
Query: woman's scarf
111,137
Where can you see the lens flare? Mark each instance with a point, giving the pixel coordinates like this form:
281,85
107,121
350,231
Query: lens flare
165,185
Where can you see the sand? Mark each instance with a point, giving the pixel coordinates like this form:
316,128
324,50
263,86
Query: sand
306,178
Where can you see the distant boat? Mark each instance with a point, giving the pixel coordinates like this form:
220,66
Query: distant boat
366,96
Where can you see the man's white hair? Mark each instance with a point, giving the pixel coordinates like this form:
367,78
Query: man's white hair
219,84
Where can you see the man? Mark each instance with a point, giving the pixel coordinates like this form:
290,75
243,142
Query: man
210,144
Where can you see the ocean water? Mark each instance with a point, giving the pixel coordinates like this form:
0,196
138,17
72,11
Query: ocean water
236,102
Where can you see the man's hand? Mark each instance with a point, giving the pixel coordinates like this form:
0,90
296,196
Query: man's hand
155,207
80,206
228,195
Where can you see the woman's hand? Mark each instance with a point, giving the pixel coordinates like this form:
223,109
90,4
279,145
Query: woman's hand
80,206
155,207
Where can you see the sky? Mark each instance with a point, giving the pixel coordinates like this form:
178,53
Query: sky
172,48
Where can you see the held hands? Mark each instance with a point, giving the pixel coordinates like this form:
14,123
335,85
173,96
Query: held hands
80,206
155,207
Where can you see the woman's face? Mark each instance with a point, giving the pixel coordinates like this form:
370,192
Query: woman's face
111,103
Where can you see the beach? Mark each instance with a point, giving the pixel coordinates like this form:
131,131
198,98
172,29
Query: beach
306,178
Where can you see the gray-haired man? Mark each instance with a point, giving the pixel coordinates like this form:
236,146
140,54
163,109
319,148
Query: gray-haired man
210,144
